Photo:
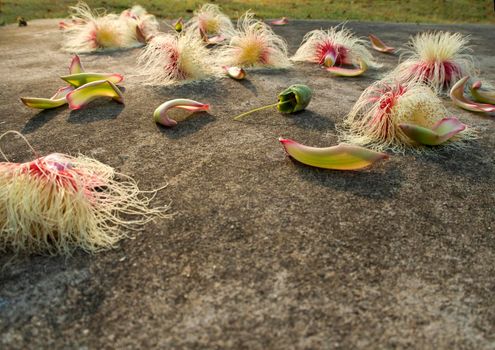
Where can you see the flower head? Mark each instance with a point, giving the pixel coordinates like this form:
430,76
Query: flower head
439,59
210,21
169,58
336,46
375,118
255,44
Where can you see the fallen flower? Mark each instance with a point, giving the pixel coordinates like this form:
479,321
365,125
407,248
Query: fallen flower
457,96
57,203
438,59
337,46
341,157
379,45
160,114
441,132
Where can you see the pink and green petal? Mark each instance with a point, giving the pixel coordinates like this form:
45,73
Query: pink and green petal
160,115
348,72
280,22
90,91
62,92
379,45
79,79
76,66
237,73
341,157
441,132
482,95
43,103
457,96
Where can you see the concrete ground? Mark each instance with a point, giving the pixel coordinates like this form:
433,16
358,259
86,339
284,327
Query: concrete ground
262,252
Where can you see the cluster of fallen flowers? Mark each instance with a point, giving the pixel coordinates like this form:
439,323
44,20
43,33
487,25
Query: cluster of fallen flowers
83,88
70,202
92,30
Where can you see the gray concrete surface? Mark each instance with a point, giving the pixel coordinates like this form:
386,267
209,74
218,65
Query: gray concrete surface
262,253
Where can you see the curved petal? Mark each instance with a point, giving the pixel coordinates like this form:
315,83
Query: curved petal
280,22
237,73
160,114
80,79
482,95
379,45
43,103
57,100
62,92
438,134
341,157
349,72
457,96
90,91
76,66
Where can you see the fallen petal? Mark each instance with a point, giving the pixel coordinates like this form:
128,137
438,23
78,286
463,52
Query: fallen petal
43,103
438,134
80,79
280,22
62,92
160,114
341,157
76,66
295,98
57,100
457,96
379,45
349,72
90,91
217,39
482,95
237,73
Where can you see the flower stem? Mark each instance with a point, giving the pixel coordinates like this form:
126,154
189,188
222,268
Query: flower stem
254,110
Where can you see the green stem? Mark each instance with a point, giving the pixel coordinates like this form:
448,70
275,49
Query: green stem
254,110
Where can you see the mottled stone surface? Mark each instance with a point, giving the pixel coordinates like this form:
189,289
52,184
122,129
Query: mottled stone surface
262,252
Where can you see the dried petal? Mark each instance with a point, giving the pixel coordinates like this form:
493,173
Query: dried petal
438,134
457,96
482,95
160,114
280,22
80,79
237,73
90,91
76,66
293,99
349,72
379,45
341,157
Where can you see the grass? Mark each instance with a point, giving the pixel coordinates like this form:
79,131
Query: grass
420,11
